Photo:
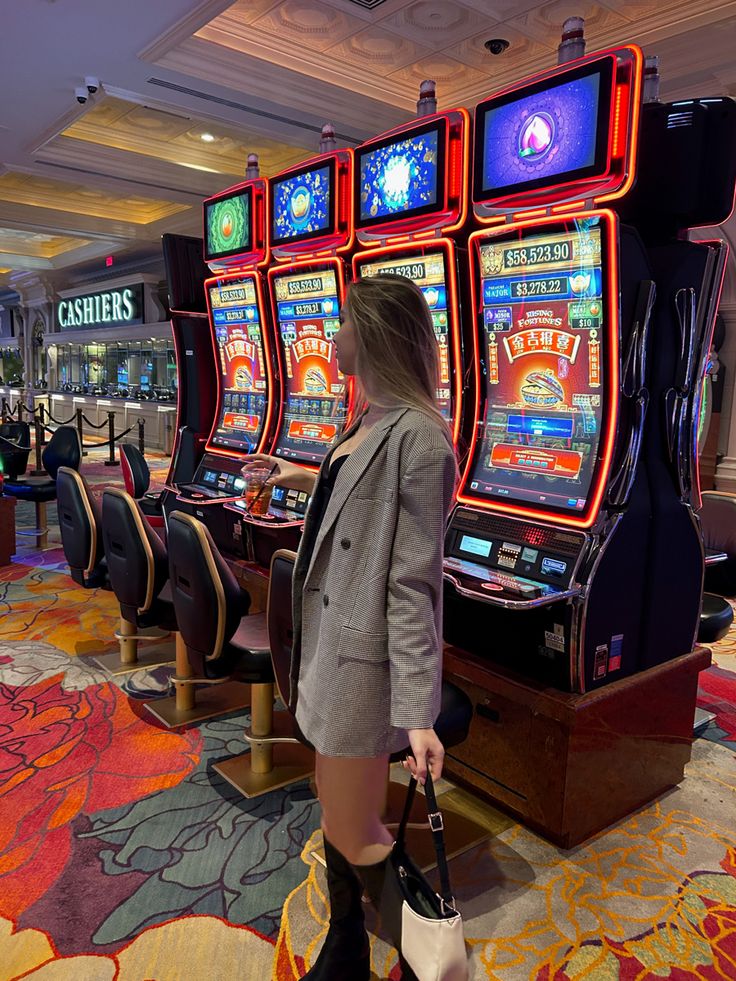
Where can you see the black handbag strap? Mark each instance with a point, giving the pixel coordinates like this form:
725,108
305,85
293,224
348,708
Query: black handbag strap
436,825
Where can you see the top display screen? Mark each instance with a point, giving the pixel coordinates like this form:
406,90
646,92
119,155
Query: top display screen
227,225
544,135
303,205
543,334
401,178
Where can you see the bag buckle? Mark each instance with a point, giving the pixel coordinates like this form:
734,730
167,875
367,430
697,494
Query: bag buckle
435,821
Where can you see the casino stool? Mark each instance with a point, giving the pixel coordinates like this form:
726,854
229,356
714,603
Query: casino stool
15,445
716,617
221,646
62,450
137,480
138,568
80,523
718,522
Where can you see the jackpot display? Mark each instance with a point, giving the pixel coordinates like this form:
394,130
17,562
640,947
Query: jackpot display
542,335
308,309
239,337
550,134
303,205
228,226
399,177
430,275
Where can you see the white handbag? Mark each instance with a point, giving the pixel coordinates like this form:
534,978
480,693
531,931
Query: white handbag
431,928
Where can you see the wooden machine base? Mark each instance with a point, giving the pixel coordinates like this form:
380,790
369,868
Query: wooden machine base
210,701
570,765
155,657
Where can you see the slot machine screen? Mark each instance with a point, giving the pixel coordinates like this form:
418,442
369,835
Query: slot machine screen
227,224
308,310
303,204
542,335
401,178
544,134
236,318
430,275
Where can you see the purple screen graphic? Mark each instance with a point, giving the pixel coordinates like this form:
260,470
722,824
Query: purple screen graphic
541,136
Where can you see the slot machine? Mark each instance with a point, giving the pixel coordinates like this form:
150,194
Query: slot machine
236,248
311,228
687,179
411,209
546,551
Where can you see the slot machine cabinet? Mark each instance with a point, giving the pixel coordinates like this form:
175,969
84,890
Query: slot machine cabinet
411,217
687,180
236,248
546,550
186,272
311,228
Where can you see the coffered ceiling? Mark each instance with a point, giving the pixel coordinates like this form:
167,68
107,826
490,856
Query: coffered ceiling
189,88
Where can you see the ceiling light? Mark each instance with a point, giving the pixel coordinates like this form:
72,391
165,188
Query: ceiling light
207,137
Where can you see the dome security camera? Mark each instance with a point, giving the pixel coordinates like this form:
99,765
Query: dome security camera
81,95
92,83
497,45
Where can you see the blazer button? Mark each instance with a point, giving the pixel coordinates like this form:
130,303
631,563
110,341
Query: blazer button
326,600
345,543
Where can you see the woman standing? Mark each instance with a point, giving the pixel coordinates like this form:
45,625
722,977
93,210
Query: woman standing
366,664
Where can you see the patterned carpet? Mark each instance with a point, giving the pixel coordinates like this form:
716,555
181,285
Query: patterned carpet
124,856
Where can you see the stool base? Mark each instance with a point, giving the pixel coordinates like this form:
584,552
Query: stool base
154,658
291,761
210,701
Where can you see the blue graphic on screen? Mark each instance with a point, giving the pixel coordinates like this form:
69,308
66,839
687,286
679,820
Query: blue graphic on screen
399,178
301,204
543,135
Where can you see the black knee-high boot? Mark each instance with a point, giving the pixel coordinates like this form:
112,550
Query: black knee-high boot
345,954
387,901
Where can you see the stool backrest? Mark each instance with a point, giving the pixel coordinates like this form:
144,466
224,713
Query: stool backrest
15,443
80,523
718,522
279,618
208,601
136,475
62,450
137,562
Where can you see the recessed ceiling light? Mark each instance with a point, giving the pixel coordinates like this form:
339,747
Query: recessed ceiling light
207,137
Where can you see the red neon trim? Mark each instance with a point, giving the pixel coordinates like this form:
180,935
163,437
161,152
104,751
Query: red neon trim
609,228
263,311
453,306
338,265
628,123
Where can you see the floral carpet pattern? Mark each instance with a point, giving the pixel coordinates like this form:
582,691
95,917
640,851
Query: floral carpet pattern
124,855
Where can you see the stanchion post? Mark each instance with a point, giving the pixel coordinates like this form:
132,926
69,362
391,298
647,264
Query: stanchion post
4,413
38,431
142,435
19,407
41,431
111,462
80,429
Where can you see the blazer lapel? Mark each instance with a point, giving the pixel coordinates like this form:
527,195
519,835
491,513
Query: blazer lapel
352,470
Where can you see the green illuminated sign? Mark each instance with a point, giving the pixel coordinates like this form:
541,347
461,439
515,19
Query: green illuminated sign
228,227
108,308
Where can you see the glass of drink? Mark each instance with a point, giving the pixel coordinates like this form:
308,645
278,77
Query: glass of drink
257,491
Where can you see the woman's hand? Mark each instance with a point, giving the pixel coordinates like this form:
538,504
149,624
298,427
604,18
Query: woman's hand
427,751
284,473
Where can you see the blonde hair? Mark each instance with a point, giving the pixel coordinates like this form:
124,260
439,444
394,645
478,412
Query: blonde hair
397,358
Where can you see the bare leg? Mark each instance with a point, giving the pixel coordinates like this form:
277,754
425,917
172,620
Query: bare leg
352,792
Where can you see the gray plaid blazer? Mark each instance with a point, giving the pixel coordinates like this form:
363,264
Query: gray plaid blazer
367,595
